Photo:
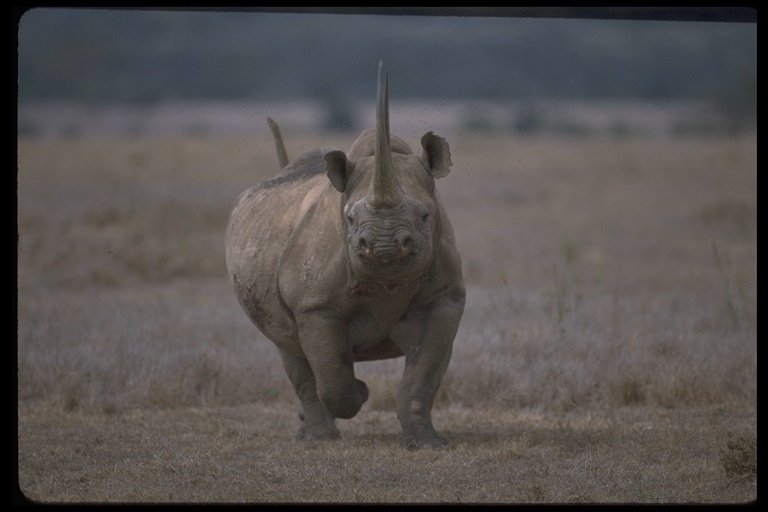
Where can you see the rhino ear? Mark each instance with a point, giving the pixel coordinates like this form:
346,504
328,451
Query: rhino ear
338,168
435,155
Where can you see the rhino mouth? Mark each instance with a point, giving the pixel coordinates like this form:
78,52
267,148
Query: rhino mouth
387,263
385,253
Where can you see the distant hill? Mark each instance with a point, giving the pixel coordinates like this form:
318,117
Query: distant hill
102,55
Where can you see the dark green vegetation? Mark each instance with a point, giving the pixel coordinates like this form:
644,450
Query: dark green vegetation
607,353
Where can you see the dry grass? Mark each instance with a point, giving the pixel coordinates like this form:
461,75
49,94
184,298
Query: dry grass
242,454
607,353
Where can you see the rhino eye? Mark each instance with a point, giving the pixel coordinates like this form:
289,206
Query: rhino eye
425,217
350,220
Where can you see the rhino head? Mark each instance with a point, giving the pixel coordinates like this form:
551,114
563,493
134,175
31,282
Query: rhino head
389,207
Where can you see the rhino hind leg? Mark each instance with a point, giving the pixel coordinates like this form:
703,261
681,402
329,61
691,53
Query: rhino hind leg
316,422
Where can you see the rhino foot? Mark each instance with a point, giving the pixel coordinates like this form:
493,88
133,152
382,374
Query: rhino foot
428,440
317,429
317,433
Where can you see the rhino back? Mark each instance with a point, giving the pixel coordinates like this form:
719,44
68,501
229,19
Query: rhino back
305,166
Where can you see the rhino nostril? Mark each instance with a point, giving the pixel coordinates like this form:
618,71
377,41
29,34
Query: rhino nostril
364,249
406,246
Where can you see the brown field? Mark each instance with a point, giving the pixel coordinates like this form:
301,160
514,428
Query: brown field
607,353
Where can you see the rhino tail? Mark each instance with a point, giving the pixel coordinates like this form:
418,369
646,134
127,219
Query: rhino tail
282,154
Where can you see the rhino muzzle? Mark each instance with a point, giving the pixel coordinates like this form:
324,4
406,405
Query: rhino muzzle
385,250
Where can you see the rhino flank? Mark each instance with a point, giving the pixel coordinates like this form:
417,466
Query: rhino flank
350,257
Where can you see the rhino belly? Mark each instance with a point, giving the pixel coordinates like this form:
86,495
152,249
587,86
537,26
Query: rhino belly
386,349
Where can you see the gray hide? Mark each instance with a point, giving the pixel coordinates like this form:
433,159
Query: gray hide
350,257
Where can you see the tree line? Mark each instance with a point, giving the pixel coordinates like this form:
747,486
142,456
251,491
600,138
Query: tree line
103,55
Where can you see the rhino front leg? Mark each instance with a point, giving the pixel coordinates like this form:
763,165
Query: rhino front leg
427,354
316,422
323,340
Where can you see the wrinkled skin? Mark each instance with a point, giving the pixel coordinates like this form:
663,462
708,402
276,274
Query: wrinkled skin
335,270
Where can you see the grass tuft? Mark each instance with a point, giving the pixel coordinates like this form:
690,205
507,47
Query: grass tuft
738,455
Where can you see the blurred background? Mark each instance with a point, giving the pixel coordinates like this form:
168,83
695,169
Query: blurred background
87,72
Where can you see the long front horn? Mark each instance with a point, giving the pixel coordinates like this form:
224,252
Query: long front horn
384,191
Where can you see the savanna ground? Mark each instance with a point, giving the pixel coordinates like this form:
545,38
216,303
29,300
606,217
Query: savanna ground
607,353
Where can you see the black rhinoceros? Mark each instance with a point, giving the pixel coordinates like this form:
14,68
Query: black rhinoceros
346,258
